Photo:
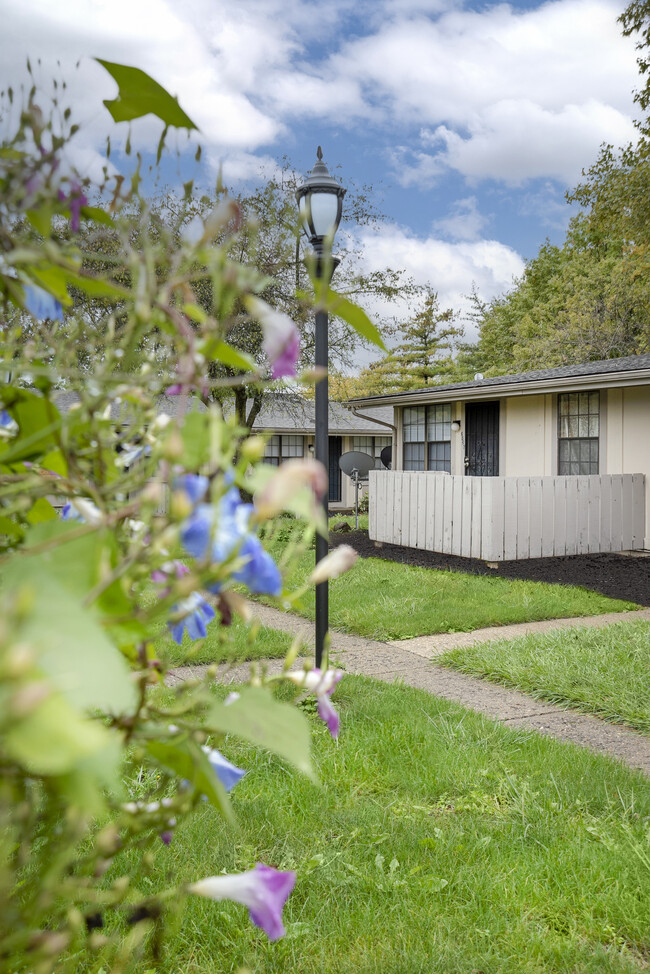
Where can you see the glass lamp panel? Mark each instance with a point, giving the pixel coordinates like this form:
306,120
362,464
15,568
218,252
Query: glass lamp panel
304,215
324,208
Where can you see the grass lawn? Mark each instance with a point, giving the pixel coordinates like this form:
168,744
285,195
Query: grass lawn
384,600
232,644
599,671
439,841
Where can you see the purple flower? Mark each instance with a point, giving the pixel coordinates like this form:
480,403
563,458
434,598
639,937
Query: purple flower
167,836
322,684
42,305
227,773
263,890
281,339
285,362
76,199
197,614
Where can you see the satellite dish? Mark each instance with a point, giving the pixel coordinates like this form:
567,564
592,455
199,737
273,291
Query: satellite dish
478,376
353,461
386,456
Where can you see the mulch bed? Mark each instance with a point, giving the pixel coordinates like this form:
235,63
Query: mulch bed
618,576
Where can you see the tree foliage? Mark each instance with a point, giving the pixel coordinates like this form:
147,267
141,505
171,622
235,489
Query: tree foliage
423,357
588,299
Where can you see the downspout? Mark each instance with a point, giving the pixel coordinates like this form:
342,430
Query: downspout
372,419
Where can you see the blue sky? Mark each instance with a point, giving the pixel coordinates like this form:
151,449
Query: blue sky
470,121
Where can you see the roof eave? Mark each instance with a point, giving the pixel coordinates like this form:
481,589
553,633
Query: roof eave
598,380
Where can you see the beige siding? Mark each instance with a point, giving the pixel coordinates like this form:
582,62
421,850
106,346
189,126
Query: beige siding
636,437
524,447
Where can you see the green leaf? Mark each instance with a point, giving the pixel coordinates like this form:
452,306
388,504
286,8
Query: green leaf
41,219
41,510
53,739
97,215
355,316
195,434
223,352
73,649
188,760
140,95
259,718
55,461
37,420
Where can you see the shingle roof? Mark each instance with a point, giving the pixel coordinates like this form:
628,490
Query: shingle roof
279,413
629,363
293,414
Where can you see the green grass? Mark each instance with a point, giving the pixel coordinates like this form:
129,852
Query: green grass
599,671
439,841
384,600
224,644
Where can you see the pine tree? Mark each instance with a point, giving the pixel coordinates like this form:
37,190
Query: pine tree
423,357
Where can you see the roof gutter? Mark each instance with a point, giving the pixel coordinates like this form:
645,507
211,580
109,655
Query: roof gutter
562,384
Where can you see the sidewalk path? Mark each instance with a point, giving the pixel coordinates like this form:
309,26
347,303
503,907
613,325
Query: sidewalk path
410,660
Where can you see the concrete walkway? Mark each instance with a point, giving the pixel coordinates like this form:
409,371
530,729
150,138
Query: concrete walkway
411,661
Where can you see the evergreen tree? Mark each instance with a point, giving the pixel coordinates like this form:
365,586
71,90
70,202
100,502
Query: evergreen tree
422,358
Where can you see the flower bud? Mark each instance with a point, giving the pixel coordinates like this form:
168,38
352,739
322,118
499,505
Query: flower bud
334,564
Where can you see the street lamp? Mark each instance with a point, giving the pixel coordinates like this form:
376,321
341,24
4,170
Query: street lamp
320,199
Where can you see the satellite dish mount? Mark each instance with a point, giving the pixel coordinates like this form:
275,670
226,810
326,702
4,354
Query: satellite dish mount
357,466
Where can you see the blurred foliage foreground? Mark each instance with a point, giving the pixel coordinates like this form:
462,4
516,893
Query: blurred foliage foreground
103,494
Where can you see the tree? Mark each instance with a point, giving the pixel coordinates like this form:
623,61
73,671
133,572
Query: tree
422,358
268,240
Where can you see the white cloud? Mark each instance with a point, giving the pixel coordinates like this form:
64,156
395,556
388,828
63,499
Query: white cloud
463,222
449,268
518,140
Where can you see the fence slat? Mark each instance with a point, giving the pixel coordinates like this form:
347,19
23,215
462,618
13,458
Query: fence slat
466,522
593,513
477,526
522,520
510,519
571,515
605,527
535,518
548,515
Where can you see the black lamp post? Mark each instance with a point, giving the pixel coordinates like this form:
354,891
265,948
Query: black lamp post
320,199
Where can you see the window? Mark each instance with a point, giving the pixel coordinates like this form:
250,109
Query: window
427,437
372,445
279,448
578,432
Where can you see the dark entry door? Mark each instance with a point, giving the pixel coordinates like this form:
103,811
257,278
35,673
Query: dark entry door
482,439
335,471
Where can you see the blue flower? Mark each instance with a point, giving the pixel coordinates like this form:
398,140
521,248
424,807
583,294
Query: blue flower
227,773
41,304
222,530
195,486
197,614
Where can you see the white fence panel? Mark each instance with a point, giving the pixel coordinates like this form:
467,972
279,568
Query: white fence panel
503,518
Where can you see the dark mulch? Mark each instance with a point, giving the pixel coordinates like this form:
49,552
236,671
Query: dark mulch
618,576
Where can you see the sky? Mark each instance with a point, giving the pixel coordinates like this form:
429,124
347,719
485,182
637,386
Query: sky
469,120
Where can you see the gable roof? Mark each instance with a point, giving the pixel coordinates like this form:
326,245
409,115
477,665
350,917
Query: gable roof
629,370
279,414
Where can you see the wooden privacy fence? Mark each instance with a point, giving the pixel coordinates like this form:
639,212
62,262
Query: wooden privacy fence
504,518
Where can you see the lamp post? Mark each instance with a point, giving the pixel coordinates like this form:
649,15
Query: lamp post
320,199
